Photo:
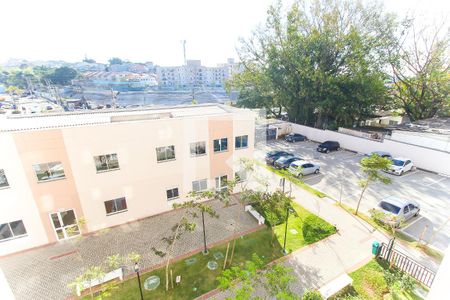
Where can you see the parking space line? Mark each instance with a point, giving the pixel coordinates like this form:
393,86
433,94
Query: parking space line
434,182
315,176
413,222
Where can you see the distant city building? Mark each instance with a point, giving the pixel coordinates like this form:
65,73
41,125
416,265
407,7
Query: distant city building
120,81
193,74
85,66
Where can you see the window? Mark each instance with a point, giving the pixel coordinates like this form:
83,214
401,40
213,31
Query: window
406,209
106,162
165,153
199,185
221,145
12,230
198,148
172,194
221,182
115,206
65,224
241,142
49,171
240,176
3,179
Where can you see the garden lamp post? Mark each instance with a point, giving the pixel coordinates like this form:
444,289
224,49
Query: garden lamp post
205,251
136,269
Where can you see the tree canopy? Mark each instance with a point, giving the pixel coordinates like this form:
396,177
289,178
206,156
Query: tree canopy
62,75
329,63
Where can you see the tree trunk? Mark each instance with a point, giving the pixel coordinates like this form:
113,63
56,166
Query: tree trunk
232,252
170,254
360,198
226,256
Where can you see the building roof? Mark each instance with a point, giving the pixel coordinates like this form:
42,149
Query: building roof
93,117
432,125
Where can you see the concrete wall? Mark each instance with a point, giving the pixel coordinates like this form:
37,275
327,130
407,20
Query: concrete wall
429,140
425,158
17,200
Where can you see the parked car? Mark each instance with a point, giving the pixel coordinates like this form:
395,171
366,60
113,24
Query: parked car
272,156
400,166
398,209
381,154
328,146
285,161
300,168
295,137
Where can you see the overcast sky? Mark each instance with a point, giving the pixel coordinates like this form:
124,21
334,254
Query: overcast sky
144,30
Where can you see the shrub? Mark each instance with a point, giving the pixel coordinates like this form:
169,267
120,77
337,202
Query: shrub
312,295
315,229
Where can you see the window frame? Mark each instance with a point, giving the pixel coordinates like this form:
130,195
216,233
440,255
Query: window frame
220,140
200,181
240,138
108,169
239,178
48,170
13,236
174,197
165,152
114,201
219,178
196,145
6,182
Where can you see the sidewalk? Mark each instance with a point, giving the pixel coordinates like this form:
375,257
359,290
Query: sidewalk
343,252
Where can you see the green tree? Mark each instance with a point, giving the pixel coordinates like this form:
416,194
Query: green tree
323,63
312,295
420,66
62,75
372,168
115,61
244,280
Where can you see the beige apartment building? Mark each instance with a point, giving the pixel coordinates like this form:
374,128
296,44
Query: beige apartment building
111,167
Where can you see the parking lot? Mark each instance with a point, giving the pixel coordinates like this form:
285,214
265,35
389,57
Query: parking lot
339,177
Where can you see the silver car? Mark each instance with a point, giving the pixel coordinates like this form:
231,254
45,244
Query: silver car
398,210
301,168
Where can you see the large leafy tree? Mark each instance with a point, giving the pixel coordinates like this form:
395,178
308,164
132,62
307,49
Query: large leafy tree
62,75
420,65
322,63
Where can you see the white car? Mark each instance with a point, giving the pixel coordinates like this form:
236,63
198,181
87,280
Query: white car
301,168
400,165
398,209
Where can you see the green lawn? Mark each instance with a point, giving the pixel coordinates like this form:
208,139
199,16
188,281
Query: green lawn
197,279
304,228
369,282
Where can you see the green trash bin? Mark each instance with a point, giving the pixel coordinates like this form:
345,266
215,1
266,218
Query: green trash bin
375,247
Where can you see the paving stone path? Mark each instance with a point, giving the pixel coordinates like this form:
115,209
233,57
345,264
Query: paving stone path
45,273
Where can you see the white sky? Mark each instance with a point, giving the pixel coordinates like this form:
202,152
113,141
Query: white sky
144,30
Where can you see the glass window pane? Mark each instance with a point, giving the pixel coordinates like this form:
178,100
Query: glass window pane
160,154
109,206
55,220
5,232
175,192
100,163
244,142
60,234
72,231
193,147
170,152
42,172
68,217
203,184
224,145
121,204
56,170
237,142
195,186
216,145
18,228
169,194
3,180
113,162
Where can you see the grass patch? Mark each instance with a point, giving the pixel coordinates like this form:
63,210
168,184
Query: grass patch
304,228
437,255
197,279
370,282
294,180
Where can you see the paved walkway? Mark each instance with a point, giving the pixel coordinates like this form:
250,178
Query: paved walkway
350,248
45,273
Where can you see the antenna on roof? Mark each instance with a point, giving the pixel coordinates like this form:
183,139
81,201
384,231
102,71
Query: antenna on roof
184,51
